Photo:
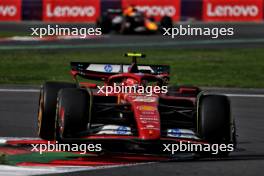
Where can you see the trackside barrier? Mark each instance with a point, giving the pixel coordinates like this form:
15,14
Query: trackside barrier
157,8
90,10
191,10
109,4
71,10
10,10
32,10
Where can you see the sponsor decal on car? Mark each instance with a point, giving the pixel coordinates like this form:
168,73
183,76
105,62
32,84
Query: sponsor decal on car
115,129
103,67
147,108
149,118
174,132
181,133
122,130
145,99
108,68
148,112
10,10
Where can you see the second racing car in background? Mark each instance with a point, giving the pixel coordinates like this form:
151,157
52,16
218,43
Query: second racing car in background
131,21
132,122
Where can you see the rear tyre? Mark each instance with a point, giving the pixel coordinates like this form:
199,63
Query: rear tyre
47,108
166,22
214,123
105,24
72,114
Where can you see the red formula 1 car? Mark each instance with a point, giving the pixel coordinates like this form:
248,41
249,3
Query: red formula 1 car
138,121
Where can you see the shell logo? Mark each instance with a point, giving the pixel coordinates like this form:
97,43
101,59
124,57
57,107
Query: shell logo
147,108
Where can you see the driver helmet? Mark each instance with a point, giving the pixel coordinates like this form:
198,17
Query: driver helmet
130,82
130,11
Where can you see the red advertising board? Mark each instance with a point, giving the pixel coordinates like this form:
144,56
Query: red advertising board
71,10
156,8
10,10
232,10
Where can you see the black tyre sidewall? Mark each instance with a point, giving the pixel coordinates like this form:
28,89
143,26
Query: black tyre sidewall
75,104
214,118
166,22
105,24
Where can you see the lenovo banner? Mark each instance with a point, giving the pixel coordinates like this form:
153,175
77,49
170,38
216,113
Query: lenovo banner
10,10
71,10
232,10
156,8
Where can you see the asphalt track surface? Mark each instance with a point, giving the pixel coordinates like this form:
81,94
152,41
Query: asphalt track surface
245,35
18,109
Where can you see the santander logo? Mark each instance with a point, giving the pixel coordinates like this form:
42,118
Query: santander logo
70,11
8,11
158,10
232,10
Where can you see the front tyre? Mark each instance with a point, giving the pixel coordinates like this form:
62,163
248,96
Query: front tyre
73,108
166,22
214,122
105,24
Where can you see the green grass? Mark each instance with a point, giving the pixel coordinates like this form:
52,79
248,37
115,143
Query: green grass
13,33
2,158
222,68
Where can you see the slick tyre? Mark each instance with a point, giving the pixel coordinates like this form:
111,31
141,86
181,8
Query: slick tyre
72,115
105,24
214,120
166,22
47,108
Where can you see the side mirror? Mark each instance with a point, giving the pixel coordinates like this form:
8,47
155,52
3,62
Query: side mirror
88,85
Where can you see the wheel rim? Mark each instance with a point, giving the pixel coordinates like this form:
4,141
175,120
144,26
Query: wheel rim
40,111
61,113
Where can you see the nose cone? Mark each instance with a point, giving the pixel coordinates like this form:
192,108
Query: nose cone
148,120
147,116
150,134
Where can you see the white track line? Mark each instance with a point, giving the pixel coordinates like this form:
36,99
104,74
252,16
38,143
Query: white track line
7,170
147,44
20,90
246,95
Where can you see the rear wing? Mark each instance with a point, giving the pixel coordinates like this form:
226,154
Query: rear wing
99,71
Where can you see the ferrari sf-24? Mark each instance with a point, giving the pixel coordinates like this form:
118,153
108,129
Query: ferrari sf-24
132,122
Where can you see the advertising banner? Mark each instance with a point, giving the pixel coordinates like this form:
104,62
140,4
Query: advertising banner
156,8
10,10
232,10
71,10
